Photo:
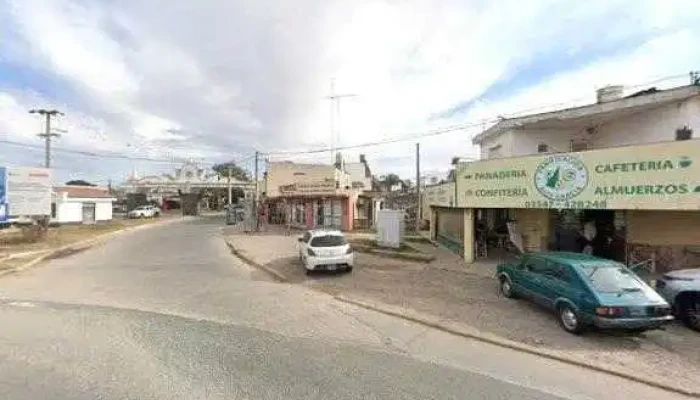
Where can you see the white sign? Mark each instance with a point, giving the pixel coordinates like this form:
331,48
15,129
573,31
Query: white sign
28,191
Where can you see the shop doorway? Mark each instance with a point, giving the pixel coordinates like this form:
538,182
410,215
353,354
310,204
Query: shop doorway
602,233
492,238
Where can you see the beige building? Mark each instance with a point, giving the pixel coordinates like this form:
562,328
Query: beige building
619,178
317,195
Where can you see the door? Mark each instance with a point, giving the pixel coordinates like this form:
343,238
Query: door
88,213
558,282
531,280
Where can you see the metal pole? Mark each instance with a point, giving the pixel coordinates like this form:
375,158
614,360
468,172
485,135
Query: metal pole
47,153
418,203
255,196
230,189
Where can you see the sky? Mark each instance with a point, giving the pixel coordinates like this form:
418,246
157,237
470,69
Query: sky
147,84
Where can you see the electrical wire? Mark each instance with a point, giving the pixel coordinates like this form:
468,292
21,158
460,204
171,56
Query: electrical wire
458,127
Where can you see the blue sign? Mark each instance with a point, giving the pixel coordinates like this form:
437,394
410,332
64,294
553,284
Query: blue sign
4,207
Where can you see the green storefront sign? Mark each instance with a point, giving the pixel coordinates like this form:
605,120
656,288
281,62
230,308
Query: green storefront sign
659,176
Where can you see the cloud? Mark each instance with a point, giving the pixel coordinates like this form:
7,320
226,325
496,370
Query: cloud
219,79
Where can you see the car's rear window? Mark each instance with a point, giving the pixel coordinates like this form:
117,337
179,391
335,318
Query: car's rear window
328,241
612,279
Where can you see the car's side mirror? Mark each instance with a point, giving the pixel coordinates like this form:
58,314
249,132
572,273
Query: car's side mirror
300,240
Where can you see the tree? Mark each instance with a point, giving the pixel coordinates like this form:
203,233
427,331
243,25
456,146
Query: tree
79,182
236,172
390,180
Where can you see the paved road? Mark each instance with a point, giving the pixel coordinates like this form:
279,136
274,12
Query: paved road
167,313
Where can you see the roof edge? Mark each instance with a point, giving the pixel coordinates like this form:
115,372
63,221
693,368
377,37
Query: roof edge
692,90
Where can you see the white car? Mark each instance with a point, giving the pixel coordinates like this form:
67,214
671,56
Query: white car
325,250
144,212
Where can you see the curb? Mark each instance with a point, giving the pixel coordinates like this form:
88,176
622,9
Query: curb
82,245
471,333
278,276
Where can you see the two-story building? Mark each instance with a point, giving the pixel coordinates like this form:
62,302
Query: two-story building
619,178
310,196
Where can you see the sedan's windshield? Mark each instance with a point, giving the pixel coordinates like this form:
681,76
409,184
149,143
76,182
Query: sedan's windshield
328,241
607,279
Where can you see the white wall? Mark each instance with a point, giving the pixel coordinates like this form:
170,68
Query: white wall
357,174
71,210
658,125
503,142
526,143
103,211
650,126
67,212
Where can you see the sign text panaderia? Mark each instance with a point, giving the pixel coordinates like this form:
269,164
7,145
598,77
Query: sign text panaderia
662,176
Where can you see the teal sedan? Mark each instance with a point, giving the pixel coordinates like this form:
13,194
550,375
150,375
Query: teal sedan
585,291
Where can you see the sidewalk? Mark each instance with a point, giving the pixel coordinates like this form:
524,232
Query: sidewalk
452,293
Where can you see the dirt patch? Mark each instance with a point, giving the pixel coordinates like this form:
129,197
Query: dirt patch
373,245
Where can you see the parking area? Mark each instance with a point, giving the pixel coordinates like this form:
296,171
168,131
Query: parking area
448,289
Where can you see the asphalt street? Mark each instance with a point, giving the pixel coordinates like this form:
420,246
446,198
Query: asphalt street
168,313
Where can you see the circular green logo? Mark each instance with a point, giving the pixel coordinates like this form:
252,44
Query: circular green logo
561,177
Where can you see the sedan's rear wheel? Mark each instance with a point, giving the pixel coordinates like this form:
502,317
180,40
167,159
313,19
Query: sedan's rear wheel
569,319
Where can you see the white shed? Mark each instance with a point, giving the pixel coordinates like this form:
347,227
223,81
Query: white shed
81,205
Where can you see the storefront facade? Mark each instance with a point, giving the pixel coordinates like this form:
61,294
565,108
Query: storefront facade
312,205
635,204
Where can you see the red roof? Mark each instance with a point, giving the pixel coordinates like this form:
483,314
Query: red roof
84,192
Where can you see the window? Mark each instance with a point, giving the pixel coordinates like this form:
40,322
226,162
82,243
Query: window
535,265
560,272
328,241
684,133
53,210
612,279
542,148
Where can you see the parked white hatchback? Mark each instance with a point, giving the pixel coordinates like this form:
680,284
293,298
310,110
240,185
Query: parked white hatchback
326,250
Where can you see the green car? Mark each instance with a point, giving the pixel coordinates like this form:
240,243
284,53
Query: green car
585,291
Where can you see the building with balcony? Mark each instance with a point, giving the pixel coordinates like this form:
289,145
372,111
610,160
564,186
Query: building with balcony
619,178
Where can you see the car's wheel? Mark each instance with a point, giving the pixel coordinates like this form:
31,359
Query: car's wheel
690,311
569,319
142,216
507,288
348,268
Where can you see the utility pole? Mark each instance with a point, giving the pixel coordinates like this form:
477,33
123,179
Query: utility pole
255,196
418,203
230,189
48,134
335,113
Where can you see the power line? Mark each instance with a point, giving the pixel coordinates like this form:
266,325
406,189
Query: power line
434,132
458,127
99,155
